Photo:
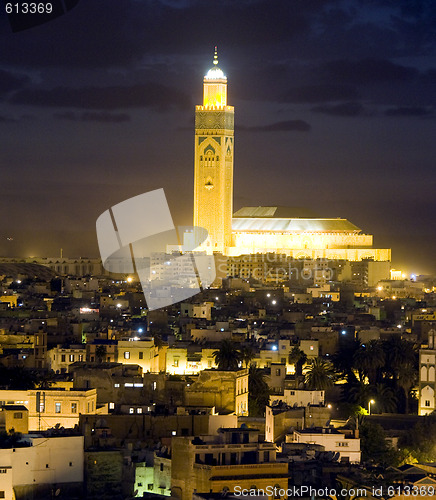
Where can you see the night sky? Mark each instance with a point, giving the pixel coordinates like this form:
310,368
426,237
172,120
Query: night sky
335,110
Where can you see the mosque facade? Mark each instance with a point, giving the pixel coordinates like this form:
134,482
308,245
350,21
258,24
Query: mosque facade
293,232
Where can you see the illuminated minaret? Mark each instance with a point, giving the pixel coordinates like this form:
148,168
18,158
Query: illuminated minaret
213,164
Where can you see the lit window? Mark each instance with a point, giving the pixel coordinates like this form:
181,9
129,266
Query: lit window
71,357
127,355
138,410
74,407
116,385
131,410
57,407
176,362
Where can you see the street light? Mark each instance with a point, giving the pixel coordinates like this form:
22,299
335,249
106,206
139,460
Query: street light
371,402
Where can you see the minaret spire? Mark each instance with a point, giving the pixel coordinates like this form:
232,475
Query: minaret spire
215,55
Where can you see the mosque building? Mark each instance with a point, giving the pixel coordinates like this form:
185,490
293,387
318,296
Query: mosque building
295,233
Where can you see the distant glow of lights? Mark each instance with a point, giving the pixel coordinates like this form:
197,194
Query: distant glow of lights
344,332
329,406
268,295
379,288
18,281
216,298
119,305
129,279
274,302
274,348
398,326
140,330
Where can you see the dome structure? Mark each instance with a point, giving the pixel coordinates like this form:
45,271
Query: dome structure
215,73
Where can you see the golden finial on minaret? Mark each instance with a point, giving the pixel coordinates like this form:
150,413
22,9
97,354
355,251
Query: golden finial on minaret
215,55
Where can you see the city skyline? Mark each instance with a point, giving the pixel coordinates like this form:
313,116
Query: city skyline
334,99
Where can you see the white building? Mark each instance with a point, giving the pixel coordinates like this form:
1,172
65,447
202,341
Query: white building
427,379
47,461
332,440
300,397
56,406
60,358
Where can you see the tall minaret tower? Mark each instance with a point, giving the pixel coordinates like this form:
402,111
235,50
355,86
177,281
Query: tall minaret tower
213,164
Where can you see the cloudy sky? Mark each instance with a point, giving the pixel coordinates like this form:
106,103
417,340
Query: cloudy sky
335,110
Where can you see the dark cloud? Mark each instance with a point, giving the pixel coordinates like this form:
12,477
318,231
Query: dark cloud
342,109
153,95
110,33
102,117
11,81
367,71
7,119
408,111
284,126
320,93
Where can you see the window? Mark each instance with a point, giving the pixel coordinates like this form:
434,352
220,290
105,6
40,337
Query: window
131,410
141,355
161,467
18,414
176,362
278,371
71,464
57,407
153,386
74,407
111,406
2,494
116,385
71,357
427,402
138,410
126,354
63,358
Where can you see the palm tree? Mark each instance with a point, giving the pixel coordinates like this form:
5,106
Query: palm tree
385,400
227,357
258,392
407,377
369,359
319,375
297,357
100,353
398,354
247,354
358,393
343,360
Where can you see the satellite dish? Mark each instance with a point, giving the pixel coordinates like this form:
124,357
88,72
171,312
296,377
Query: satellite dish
57,492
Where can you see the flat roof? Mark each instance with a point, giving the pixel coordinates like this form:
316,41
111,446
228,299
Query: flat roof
293,225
